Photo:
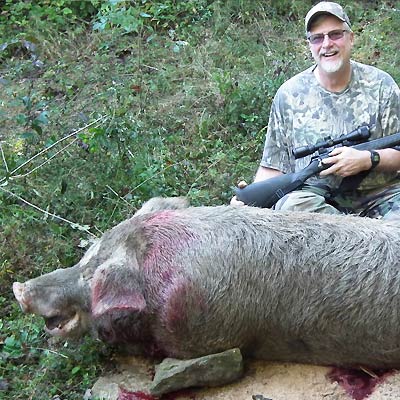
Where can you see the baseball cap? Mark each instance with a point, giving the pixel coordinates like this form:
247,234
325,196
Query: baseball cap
326,7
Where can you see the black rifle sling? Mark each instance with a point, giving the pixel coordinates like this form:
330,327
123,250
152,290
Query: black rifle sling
299,181
282,192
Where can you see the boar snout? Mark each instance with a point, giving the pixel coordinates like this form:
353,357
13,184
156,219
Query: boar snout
58,299
19,290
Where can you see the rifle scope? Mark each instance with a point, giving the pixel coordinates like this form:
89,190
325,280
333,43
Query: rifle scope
360,134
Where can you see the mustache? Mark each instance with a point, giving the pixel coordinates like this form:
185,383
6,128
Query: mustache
330,51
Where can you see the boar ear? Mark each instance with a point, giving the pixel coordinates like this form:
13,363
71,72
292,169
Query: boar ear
116,288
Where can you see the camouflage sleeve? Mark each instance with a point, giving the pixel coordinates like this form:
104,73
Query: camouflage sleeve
390,117
276,153
387,123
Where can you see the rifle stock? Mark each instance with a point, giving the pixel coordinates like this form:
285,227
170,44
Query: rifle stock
266,193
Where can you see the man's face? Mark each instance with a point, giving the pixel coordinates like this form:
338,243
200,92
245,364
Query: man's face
332,53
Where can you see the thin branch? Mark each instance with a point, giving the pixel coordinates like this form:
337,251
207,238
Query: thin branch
4,159
154,175
130,153
121,198
44,162
47,213
50,351
150,67
54,144
369,372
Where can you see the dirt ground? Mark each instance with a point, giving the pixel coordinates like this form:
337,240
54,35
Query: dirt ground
261,381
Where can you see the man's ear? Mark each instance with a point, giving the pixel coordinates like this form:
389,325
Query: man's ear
351,38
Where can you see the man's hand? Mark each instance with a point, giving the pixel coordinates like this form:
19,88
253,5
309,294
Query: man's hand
347,161
234,200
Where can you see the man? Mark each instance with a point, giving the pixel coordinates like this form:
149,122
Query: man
334,97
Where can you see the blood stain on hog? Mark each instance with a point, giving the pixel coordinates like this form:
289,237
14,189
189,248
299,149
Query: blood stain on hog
168,237
125,395
358,383
182,298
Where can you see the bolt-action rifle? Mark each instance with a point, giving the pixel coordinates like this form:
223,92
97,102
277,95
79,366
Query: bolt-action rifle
266,193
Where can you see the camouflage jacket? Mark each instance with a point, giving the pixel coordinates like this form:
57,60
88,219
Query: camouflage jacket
303,112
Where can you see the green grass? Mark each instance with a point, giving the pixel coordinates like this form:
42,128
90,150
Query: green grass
181,102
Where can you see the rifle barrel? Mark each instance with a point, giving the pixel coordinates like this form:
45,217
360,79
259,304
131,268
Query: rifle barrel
380,143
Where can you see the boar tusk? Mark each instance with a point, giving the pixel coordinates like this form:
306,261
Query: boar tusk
64,329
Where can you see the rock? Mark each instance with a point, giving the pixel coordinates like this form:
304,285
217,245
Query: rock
134,374
211,370
106,389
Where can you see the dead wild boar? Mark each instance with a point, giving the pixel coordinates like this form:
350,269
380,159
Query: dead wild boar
190,281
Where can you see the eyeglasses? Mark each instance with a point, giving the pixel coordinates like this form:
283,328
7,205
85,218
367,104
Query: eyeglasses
318,38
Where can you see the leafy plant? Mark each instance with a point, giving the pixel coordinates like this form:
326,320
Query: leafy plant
21,15
28,363
151,16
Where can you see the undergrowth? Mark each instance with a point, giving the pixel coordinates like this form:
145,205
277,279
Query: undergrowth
106,104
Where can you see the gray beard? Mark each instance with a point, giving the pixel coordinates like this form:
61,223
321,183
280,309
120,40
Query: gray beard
330,67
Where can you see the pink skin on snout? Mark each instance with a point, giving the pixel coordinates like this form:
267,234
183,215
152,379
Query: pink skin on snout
19,289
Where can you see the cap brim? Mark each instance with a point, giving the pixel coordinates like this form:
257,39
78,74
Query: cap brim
312,18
